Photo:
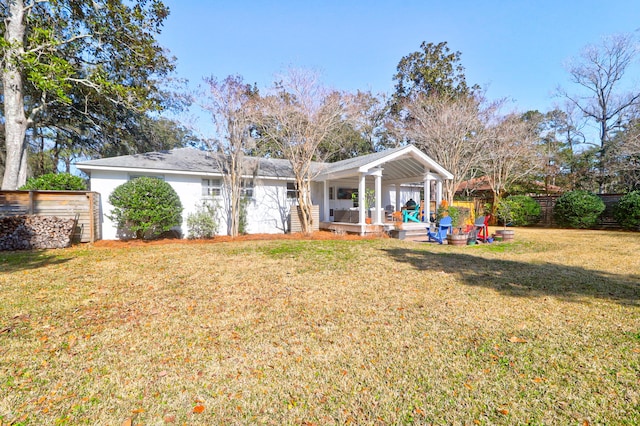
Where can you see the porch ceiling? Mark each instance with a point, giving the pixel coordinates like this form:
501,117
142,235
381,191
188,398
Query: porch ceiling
403,170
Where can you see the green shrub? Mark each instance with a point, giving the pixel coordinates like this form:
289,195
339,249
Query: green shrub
519,210
451,211
578,209
55,181
203,222
458,215
145,208
627,210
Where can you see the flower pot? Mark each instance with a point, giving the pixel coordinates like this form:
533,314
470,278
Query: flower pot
506,234
457,239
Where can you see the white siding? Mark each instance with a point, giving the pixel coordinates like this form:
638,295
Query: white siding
267,212
105,183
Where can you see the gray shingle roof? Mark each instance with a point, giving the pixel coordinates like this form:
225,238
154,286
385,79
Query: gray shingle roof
354,163
197,161
188,159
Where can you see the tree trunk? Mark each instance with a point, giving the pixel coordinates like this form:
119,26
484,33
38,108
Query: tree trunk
304,201
449,191
15,173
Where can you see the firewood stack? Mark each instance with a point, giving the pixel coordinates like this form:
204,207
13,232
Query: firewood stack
35,232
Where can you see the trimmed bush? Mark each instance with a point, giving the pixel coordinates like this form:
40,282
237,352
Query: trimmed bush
522,210
203,223
578,209
145,207
627,210
55,181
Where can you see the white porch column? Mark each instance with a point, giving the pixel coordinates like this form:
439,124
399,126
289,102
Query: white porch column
361,195
378,192
439,192
398,205
325,215
427,199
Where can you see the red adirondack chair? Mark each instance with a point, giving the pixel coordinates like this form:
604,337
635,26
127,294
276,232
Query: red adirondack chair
481,227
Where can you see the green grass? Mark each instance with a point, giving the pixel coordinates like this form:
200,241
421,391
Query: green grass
544,330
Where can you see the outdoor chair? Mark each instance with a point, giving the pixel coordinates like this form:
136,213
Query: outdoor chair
388,212
481,227
411,215
441,231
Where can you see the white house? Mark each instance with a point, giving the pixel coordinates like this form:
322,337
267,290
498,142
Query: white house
395,176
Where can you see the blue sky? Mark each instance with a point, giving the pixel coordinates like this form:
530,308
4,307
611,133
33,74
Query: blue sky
515,49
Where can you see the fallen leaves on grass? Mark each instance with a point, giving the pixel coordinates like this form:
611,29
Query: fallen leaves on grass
304,330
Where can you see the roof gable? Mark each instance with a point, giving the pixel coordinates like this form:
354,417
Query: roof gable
400,163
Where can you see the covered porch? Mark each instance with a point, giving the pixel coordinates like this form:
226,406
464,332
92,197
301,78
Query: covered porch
383,182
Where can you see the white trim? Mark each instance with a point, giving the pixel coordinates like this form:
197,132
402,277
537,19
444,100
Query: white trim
173,172
362,189
409,150
415,153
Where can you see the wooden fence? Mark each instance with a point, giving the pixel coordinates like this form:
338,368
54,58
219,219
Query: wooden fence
83,206
606,221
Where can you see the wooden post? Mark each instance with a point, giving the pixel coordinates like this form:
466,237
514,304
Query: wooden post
92,220
31,196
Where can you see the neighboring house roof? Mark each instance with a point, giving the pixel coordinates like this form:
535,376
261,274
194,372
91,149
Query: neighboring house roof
483,184
402,164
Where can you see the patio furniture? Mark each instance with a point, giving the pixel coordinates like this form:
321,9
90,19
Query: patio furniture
441,231
411,215
481,227
388,212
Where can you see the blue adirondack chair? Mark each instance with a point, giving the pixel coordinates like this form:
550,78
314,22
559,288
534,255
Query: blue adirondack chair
440,234
411,215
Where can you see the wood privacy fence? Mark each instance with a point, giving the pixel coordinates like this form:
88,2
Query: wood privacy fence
606,221
83,206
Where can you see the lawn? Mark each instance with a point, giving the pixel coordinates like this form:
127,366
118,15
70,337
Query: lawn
545,330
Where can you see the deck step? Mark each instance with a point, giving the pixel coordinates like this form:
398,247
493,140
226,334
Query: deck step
407,230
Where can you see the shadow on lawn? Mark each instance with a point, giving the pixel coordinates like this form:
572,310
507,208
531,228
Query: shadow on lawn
23,260
525,279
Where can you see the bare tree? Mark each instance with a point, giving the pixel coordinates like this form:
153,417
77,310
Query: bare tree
451,130
625,155
511,153
296,118
600,71
231,103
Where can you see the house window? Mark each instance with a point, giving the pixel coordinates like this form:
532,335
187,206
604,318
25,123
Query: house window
331,193
211,187
292,191
247,189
